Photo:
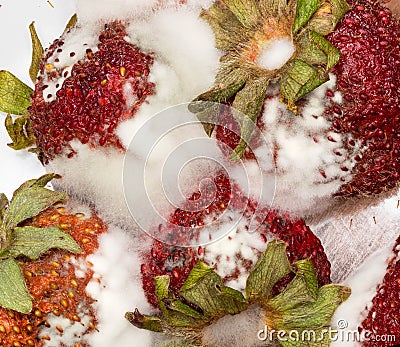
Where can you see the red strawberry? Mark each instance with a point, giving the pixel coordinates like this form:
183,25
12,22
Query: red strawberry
95,86
345,139
88,101
56,281
383,319
368,78
235,254
204,310
85,90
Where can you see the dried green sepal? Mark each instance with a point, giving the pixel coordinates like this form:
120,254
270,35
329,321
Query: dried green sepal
304,12
328,16
246,11
205,289
228,82
3,205
206,106
244,28
20,131
15,95
37,53
298,80
29,203
248,102
42,181
227,28
71,23
310,53
141,321
301,290
32,242
339,9
209,117
274,8
272,266
14,294
206,299
300,306
331,52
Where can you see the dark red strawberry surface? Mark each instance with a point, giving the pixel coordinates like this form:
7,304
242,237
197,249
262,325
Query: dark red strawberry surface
368,76
91,102
383,320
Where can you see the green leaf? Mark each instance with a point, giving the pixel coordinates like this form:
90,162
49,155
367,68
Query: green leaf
246,11
310,315
209,117
228,82
15,95
322,21
20,132
305,272
205,289
298,80
300,307
13,291
272,266
272,8
42,181
173,310
340,8
318,313
302,310
71,23
179,306
33,242
28,203
37,53
309,52
305,10
141,321
328,15
302,289
3,204
228,31
325,46
178,318
162,291
248,102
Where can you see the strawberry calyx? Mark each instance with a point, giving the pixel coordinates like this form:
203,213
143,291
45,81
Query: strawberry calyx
20,241
246,31
15,95
203,299
37,53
